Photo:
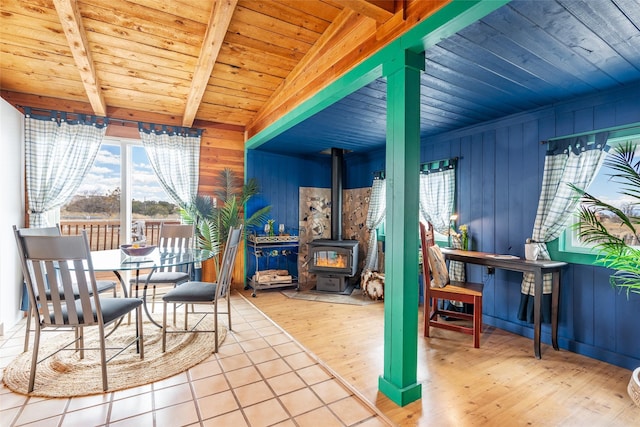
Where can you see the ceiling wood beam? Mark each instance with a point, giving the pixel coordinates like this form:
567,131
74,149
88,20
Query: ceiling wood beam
71,21
379,10
216,31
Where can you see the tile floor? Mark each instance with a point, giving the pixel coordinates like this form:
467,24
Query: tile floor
260,377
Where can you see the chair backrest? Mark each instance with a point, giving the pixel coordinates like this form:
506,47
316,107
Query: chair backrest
228,261
62,262
426,240
39,231
176,237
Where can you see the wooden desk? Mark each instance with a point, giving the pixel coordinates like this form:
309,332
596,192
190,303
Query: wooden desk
538,268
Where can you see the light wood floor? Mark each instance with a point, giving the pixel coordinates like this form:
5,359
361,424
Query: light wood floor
500,384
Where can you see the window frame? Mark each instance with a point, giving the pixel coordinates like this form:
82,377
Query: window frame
562,248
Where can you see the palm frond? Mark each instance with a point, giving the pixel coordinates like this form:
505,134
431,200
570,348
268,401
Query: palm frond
615,252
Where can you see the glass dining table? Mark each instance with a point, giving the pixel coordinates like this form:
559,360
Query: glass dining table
117,261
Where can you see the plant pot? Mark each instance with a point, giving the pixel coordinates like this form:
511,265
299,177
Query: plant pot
634,387
208,271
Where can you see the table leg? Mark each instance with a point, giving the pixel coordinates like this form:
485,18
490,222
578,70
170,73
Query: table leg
555,298
537,313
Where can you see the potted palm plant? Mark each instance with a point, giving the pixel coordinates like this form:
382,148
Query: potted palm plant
619,251
214,216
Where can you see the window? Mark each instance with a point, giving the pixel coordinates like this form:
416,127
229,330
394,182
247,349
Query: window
606,189
121,188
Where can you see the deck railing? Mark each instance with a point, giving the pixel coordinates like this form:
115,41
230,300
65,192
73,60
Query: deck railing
105,234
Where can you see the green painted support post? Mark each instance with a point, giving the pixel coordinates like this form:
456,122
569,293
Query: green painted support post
399,380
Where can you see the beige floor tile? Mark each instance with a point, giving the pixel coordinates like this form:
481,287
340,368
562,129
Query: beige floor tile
42,409
319,417
217,404
11,400
277,339
330,391
234,419
286,383
266,413
246,334
91,416
301,401
235,362
273,368
254,344
46,422
263,355
131,406
181,414
206,369
243,376
77,403
172,395
210,385
374,422
253,393
313,374
137,421
287,349
351,410
300,360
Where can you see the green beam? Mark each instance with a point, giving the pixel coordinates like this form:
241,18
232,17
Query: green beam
399,380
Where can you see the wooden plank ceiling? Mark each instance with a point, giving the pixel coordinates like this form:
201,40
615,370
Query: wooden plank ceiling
245,62
218,61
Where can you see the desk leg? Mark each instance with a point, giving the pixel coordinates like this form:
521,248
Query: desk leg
537,313
555,298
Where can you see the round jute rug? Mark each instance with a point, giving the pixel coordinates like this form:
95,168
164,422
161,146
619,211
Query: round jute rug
66,375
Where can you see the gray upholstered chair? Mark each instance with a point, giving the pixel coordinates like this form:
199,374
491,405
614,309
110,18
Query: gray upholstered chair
172,237
196,292
103,285
64,263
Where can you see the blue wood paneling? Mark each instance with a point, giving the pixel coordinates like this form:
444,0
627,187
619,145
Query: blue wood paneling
500,173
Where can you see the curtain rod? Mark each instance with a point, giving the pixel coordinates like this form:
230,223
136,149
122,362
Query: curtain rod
111,119
633,127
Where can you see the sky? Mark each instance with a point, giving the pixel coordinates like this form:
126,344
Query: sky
607,190
104,176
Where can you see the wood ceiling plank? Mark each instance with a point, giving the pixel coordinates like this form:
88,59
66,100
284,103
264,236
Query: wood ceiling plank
320,9
379,11
213,39
267,36
239,90
127,18
286,13
251,59
58,88
232,100
30,63
71,21
33,31
165,76
146,85
248,77
233,38
198,11
113,47
252,20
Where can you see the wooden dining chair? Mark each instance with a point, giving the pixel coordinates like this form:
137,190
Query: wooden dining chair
174,237
196,292
438,287
64,263
103,285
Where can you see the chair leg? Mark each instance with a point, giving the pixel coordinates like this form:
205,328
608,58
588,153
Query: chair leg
34,358
477,321
215,325
229,311
103,360
164,328
30,313
140,331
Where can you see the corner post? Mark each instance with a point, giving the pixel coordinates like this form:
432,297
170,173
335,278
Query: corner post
399,380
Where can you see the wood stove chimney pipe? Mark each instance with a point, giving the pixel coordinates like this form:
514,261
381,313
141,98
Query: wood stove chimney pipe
336,193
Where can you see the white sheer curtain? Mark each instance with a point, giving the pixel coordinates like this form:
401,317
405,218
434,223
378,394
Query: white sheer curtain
58,154
375,216
568,161
174,154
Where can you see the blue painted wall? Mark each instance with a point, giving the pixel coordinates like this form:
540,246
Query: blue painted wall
500,174
280,178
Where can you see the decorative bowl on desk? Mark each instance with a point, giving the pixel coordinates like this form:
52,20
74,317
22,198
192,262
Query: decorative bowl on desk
137,250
